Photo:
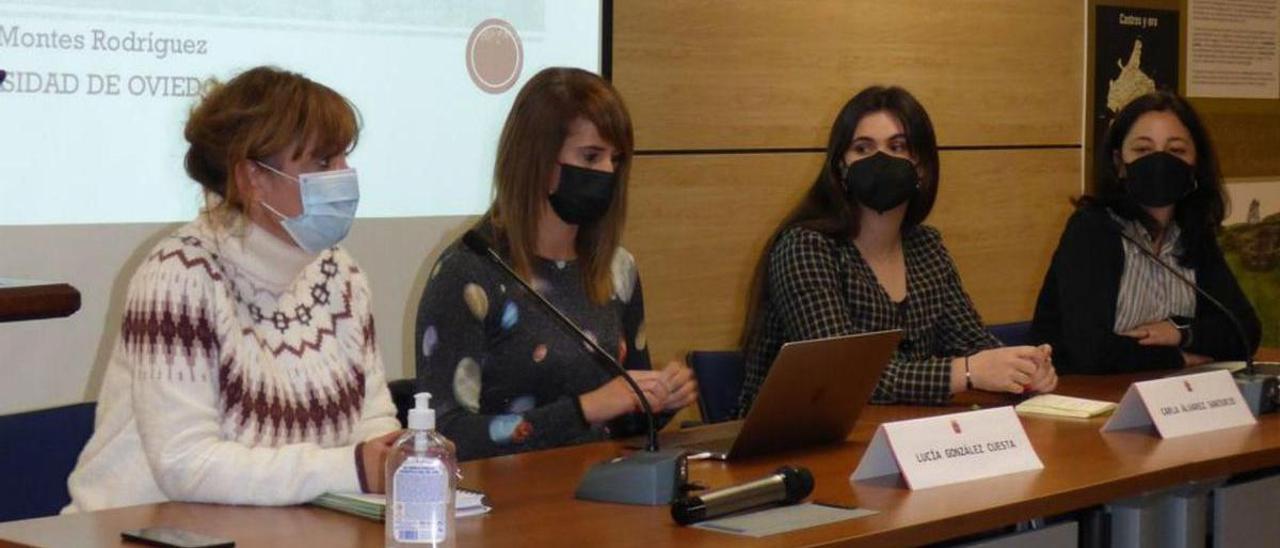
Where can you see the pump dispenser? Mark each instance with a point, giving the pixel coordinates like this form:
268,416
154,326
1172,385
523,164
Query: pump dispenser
422,482
422,416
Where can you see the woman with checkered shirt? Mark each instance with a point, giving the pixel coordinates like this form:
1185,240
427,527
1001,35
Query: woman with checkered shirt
854,257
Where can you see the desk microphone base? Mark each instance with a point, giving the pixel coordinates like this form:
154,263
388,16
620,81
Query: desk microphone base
1259,390
644,478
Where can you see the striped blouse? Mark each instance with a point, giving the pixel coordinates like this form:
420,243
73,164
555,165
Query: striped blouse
1149,292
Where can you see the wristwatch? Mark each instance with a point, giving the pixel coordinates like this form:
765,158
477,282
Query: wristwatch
1183,325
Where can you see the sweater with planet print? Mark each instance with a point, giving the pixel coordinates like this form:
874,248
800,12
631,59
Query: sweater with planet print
505,375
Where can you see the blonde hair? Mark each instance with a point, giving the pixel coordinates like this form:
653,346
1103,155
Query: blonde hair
259,113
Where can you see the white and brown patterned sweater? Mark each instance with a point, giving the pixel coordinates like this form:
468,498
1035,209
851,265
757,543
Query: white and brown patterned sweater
246,372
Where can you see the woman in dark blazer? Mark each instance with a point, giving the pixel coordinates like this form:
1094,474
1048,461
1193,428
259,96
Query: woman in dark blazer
1107,305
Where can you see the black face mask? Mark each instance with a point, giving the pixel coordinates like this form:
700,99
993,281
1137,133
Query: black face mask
881,182
584,195
1158,179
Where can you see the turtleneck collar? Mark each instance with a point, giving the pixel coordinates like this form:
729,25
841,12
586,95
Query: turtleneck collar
269,260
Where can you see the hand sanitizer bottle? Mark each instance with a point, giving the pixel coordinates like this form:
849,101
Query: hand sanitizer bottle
422,475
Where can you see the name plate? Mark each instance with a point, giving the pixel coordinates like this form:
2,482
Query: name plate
1183,405
949,449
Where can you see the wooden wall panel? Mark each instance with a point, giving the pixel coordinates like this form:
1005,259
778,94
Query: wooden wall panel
1001,214
699,223
770,73
1248,143
696,228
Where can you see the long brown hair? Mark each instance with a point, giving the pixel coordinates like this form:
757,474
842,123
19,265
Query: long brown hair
257,114
826,207
528,152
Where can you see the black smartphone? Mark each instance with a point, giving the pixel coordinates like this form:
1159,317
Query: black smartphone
174,538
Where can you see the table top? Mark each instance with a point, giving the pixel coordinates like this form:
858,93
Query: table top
1267,355
532,493
33,300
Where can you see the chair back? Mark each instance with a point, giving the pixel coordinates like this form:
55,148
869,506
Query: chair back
1012,334
402,392
38,450
719,374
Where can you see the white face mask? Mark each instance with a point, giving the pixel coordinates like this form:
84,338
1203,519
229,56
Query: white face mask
329,201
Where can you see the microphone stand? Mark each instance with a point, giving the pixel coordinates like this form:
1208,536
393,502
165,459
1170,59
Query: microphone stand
651,477
1260,390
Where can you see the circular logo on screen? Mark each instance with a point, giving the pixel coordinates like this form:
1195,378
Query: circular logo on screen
494,56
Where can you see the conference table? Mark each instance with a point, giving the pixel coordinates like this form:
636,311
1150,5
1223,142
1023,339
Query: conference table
532,493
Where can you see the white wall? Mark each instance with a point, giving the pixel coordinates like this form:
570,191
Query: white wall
46,363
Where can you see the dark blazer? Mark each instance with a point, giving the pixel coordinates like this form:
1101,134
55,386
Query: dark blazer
1077,306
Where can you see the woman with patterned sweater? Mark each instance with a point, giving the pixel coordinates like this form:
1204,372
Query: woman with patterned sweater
246,371
853,257
506,376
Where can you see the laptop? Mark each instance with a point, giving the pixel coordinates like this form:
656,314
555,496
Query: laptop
813,395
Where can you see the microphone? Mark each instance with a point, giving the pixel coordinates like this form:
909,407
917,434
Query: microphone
1261,391
788,485
477,243
1235,322
652,477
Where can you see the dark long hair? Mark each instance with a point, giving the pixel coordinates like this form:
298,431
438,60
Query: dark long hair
1199,214
826,208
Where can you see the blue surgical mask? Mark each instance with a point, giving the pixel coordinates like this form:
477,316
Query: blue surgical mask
329,200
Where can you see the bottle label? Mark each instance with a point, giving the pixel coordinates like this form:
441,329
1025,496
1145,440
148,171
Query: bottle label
421,507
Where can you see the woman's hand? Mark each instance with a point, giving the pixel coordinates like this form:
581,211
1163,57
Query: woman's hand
373,460
1045,379
1009,369
655,387
1161,333
682,386
671,389
615,397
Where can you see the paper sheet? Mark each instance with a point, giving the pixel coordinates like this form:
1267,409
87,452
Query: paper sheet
782,520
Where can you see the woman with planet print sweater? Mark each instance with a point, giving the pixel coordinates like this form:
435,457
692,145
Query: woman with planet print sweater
505,376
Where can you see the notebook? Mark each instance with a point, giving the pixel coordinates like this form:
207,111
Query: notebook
1065,406
470,503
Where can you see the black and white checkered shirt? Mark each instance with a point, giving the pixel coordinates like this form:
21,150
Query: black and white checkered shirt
819,286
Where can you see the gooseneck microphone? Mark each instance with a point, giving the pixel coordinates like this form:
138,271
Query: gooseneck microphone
478,244
788,485
1235,322
1261,392
650,477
